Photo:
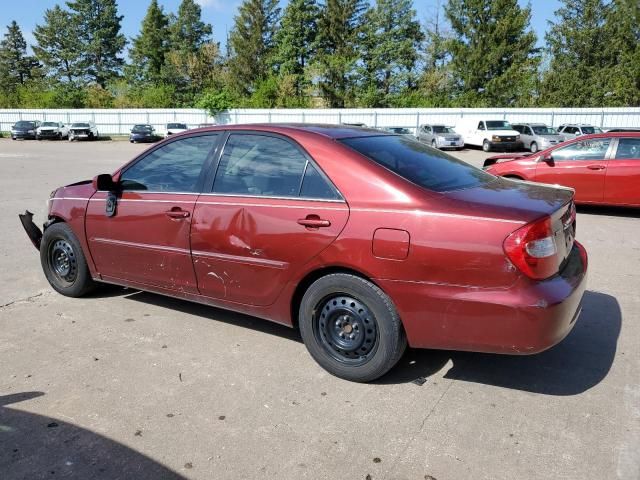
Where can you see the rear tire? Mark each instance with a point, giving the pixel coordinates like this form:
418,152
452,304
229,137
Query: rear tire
64,263
533,147
486,146
351,327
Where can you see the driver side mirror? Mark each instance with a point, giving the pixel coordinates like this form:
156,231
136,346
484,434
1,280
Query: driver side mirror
548,158
103,182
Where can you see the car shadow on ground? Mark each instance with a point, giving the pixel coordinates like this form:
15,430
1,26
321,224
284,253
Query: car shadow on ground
578,363
37,447
608,211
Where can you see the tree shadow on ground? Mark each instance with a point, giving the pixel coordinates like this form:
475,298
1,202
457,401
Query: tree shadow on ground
36,447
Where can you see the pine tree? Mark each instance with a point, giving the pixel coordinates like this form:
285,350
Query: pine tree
99,31
391,42
294,44
577,44
150,47
188,31
58,46
339,28
251,44
15,65
494,58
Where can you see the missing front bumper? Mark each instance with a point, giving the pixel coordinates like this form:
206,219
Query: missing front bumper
33,232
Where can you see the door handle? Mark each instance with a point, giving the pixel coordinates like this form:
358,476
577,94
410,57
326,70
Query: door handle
177,212
596,167
314,221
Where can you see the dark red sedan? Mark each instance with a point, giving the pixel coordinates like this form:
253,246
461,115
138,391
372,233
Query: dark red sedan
365,241
603,169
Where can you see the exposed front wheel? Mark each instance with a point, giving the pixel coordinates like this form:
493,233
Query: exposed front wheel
351,327
63,261
533,147
486,146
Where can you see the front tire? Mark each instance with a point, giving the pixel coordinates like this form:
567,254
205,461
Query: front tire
486,146
351,327
64,263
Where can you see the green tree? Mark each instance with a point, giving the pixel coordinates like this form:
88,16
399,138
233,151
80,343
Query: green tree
188,32
16,67
58,46
251,44
149,49
493,56
99,32
295,44
392,37
339,27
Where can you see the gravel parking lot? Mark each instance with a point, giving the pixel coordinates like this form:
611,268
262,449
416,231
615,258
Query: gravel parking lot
130,385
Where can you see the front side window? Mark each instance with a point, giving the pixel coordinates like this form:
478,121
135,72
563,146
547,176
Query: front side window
414,161
174,167
628,149
595,149
262,165
481,126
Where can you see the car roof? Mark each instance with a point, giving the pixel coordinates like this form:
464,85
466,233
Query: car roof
325,130
608,135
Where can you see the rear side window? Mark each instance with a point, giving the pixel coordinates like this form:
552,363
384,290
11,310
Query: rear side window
628,148
414,161
174,167
263,165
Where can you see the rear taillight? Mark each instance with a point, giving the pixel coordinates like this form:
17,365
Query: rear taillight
532,249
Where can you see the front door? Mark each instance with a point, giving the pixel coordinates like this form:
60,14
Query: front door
147,240
581,165
270,211
622,183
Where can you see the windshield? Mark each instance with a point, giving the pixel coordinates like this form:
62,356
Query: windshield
590,130
141,128
414,161
498,125
49,124
80,125
179,126
442,129
25,125
542,130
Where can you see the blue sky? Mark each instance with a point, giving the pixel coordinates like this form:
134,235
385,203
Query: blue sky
219,13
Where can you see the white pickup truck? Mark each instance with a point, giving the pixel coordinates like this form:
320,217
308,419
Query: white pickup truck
489,134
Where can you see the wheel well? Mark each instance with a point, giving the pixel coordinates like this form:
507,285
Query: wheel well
514,177
311,277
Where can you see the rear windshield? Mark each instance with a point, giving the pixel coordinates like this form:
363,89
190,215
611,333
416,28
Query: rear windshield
498,125
422,165
25,124
542,130
442,129
178,126
80,125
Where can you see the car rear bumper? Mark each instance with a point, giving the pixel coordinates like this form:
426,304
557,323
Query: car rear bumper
526,318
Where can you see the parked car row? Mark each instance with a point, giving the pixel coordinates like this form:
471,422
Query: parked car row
36,130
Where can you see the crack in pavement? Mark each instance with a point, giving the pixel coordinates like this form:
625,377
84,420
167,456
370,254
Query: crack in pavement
21,300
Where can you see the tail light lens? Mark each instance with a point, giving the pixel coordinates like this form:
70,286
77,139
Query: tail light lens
532,249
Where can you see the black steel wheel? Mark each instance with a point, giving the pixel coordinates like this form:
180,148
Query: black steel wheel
351,327
346,328
63,261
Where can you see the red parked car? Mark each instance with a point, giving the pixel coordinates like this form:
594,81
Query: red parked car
603,168
365,241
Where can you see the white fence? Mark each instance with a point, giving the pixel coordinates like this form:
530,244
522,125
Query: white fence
119,122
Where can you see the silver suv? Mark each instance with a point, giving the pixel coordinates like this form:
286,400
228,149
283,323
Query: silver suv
537,136
573,130
440,136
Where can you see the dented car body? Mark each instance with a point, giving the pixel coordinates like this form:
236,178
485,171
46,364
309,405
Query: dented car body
352,235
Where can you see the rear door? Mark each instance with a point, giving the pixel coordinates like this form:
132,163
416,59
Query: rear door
581,165
622,181
270,211
147,240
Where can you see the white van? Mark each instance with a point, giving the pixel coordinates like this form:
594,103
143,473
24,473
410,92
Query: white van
488,134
